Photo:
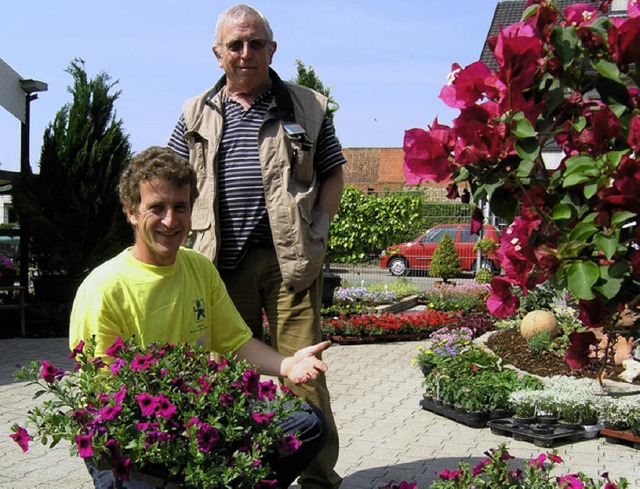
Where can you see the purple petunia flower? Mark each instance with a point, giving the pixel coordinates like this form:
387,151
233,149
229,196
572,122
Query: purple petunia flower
114,349
110,413
142,362
262,418
21,437
50,373
208,437
165,409
117,365
289,444
147,403
85,447
77,350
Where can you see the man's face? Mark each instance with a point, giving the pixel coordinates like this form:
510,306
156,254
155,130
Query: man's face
161,221
245,64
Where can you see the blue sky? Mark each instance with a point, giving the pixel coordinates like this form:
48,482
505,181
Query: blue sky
386,61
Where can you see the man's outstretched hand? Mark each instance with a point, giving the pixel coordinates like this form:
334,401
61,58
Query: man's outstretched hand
304,365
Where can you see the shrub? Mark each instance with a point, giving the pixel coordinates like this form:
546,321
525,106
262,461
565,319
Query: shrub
445,262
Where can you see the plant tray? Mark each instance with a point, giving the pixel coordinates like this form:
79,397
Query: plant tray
621,437
544,436
387,338
473,420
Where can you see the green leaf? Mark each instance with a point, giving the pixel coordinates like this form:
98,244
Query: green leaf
583,232
528,149
606,244
575,179
565,40
561,211
525,167
523,128
608,69
581,277
621,217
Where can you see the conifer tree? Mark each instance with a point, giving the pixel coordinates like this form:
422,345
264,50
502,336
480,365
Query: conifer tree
445,262
72,206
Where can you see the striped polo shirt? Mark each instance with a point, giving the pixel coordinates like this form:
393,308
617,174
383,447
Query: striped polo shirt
242,211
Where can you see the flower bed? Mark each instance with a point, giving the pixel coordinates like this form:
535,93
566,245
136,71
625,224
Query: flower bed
386,325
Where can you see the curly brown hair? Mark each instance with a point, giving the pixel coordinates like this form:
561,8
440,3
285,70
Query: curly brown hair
155,162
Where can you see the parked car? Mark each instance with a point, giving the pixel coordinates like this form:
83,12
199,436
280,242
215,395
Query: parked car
417,254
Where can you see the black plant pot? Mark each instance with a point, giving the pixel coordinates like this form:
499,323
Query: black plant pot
331,282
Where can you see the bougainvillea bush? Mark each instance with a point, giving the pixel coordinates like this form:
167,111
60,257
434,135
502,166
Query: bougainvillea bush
168,410
567,79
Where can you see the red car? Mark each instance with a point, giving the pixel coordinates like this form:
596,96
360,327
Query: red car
416,254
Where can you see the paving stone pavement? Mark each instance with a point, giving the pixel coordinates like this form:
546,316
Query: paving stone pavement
384,433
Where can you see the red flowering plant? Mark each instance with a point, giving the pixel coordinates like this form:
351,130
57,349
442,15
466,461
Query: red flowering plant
166,411
420,323
567,79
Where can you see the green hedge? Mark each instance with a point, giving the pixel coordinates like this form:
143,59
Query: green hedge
366,224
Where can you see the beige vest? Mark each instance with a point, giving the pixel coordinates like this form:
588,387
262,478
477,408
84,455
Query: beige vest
298,225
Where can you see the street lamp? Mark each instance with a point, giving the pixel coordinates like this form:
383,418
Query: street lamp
30,88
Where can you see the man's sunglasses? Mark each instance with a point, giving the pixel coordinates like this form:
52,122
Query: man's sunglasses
237,45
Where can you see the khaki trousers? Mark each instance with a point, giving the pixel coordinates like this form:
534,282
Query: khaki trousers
294,323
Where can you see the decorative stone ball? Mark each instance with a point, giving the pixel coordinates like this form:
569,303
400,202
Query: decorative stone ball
537,321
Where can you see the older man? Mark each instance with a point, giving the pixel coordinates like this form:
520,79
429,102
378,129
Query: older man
270,179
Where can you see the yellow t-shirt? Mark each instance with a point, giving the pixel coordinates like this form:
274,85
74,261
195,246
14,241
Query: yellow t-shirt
183,302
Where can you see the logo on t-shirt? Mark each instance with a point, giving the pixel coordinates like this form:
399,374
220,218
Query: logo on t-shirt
199,310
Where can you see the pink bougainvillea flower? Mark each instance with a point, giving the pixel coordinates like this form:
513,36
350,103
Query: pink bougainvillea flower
634,133
633,8
577,355
262,418
592,313
147,403
289,444
470,84
426,158
114,349
476,221
502,302
624,43
76,350
581,14
21,437
518,51
208,437
165,408
85,447
49,373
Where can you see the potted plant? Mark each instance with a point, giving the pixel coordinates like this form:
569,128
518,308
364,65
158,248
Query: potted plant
445,262
523,405
71,207
8,274
165,412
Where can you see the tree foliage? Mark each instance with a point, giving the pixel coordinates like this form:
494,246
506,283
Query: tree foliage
72,206
307,77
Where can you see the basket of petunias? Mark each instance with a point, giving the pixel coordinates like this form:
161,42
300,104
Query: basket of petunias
166,411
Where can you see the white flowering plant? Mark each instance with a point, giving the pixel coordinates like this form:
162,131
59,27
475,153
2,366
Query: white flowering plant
166,410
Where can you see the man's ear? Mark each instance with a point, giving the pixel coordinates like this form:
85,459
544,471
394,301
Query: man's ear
217,53
131,215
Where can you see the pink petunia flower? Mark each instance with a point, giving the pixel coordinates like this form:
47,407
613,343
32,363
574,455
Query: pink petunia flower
50,373
147,403
84,444
22,438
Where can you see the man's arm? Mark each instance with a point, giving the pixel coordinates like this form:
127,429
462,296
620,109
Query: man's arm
331,190
299,368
